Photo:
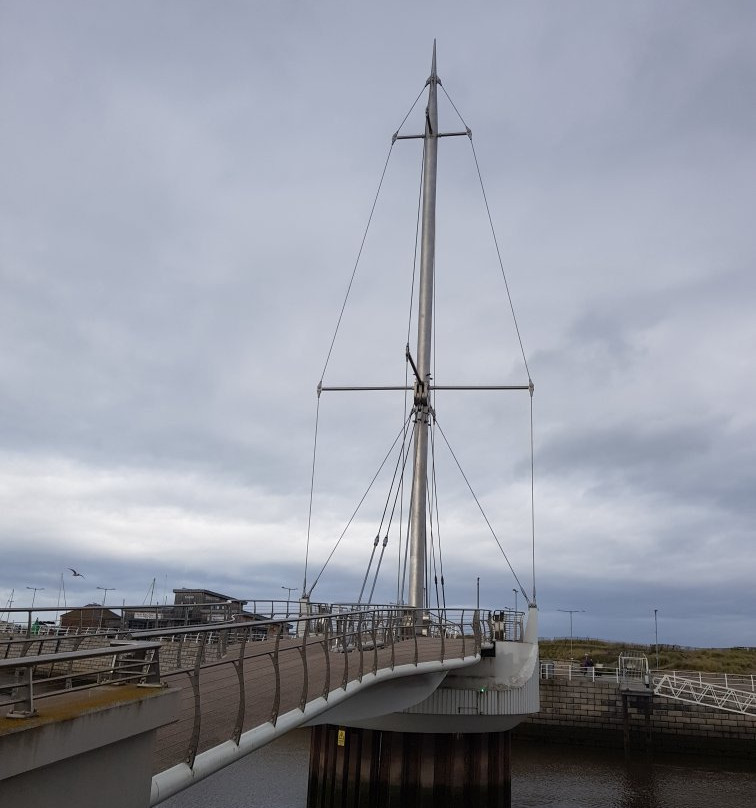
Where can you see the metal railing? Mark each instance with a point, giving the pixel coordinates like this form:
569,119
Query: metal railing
28,678
738,681
550,669
692,691
263,671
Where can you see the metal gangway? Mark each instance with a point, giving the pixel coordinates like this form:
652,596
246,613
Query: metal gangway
705,694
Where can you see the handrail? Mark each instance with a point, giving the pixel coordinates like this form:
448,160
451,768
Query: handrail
704,694
572,670
131,661
367,639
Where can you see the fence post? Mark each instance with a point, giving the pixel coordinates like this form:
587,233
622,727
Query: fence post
358,640
345,677
26,691
194,677
277,674
375,642
462,626
239,667
414,633
394,623
326,651
303,652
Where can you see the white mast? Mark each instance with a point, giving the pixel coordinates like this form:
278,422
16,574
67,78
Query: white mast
424,334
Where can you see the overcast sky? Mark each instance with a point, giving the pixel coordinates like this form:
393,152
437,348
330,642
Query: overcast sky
183,191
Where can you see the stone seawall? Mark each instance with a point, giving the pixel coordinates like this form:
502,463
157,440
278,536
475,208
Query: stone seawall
579,711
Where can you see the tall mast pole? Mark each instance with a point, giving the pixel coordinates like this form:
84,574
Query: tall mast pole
424,334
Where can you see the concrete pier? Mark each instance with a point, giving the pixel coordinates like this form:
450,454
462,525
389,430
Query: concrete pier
88,748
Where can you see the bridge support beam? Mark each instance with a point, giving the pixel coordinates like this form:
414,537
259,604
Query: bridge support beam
362,768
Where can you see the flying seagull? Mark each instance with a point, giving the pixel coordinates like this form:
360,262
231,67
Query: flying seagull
76,574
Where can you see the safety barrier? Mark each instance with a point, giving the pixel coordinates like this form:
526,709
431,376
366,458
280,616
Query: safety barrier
573,670
26,679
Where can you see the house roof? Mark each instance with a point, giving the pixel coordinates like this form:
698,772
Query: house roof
188,591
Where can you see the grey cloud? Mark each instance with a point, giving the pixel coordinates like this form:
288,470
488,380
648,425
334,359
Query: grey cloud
182,196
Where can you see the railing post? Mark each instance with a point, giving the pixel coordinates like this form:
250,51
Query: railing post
239,667
194,679
327,683
303,652
462,625
345,678
277,675
414,632
26,691
358,640
394,618
375,643
151,676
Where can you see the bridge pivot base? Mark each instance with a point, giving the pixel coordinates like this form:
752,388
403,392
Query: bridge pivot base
362,768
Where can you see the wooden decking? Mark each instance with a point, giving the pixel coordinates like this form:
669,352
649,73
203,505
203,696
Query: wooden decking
305,673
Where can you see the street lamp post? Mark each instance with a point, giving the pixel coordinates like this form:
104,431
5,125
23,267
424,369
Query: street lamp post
656,638
34,596
515,594
105,590
36,589
289,590
571,612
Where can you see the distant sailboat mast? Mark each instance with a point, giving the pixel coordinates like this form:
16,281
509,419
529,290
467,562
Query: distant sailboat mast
416,593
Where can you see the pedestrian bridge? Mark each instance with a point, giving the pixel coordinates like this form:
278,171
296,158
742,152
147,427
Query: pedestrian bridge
241,685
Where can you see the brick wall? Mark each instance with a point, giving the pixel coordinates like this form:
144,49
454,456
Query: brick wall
579,711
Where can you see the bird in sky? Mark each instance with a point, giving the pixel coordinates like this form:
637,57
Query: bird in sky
76,574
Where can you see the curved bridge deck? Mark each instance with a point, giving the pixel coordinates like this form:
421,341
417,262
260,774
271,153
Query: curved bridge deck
230,696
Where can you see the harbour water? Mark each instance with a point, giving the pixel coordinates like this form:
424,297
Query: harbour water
543,776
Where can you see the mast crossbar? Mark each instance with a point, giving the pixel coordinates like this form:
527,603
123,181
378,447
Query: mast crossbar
466,133
431,387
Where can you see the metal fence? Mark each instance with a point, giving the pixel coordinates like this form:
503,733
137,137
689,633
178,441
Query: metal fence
572,670
28,678
237,677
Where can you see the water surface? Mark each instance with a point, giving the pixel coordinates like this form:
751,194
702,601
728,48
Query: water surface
543,776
